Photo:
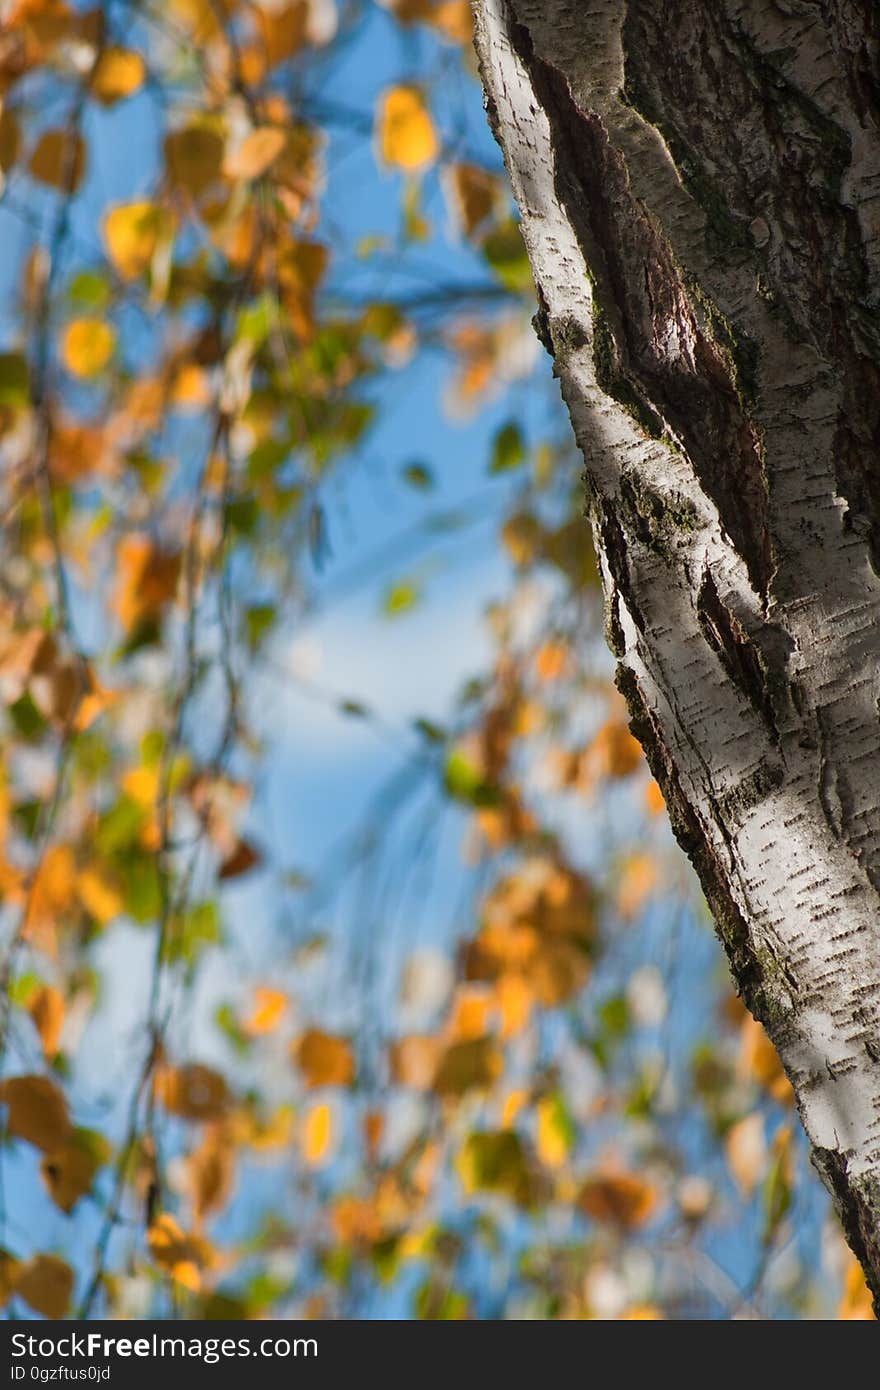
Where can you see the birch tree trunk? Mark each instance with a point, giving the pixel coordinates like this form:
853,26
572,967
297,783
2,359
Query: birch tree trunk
699,183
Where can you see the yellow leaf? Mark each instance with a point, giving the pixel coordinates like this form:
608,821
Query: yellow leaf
323,1059
256,153
642,1312
270,1006
194,158
37,1111
99,894
59,160
45,1283
118,74
318,1135
471,1008
407,138
515,1000
51,896
746,1153
856,1305
514,1103
182,1256
194,1092
554,1135
87,346
46,1008
264,1135
131,232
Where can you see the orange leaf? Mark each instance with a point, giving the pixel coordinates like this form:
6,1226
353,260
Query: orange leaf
856,1305
46,1008
270,1006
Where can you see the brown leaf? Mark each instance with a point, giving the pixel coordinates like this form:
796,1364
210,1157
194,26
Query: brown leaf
147,580
59,160
194,1092
37,1111
478,1062
70,1171
475,195
45,1283
194,158
620,1199
210,1172
324,1060
240,860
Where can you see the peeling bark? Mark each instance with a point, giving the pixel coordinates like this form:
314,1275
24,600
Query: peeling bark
699,183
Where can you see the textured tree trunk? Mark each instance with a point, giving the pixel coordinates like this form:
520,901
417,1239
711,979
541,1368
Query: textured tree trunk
699,183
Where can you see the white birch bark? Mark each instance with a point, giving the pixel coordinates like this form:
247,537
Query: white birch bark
699,184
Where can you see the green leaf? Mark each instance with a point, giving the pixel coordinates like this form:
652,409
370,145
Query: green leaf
506,254
401,597
614,1017
508,449
259,620
14,379
256,320
465,783
88,290
419,476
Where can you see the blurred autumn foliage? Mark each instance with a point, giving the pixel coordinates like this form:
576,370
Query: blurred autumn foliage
557,1110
